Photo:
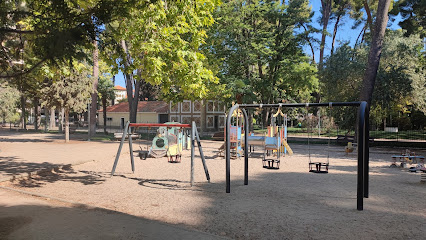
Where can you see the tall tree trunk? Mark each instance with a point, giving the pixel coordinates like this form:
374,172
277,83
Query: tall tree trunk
36,103
104,107
370,74
336,25
93,106
113,96
67,125
369,17
130,83
52,122
310,45
23,120
326,12
375,52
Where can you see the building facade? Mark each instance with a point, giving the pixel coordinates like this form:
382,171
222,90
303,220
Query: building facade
119,93
148,112
208,115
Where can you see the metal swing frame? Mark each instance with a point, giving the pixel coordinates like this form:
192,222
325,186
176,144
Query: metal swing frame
363,147
129,128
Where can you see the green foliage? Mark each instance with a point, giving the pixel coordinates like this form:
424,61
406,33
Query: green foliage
70,89
163,40
105,85
413,13
9,99
400,79
53,30
258,52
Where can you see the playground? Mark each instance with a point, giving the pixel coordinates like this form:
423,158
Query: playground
285,203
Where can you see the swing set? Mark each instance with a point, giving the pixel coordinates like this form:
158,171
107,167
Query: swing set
363,148
163,135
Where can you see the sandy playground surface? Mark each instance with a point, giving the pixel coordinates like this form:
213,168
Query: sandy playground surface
289,203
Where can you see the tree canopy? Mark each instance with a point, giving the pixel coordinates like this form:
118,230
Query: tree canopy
258,52
159,44
400,79
53,30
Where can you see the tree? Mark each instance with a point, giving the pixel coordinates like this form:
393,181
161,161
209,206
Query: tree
70,89
94,97
9,98
413,13
326,13
56,30
105,89
400,83
340,9
378,35
259,53
159,43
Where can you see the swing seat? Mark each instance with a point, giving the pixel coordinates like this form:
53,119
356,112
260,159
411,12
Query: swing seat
143,154
271,163
318,166
173,154
176,159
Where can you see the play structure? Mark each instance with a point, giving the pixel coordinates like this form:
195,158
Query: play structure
169,141
362,142
409,157
273,143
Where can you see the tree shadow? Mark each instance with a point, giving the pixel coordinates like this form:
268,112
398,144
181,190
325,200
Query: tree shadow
37,221
37,174
290,205
169,184
66,174
13,165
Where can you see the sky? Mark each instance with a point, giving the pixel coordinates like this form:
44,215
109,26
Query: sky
345,33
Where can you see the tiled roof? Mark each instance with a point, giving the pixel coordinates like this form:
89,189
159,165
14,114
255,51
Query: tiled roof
119,88
143,106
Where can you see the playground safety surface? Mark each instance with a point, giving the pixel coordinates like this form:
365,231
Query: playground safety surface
289,203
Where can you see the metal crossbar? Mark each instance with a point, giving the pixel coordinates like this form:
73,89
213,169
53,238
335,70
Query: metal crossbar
363,136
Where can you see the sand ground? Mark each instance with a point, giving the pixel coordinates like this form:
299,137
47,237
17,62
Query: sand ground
289,203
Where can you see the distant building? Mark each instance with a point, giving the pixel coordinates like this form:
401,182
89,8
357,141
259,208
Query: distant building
208,115
148,112
120,93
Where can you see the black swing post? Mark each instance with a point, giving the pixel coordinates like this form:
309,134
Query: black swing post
329,136
363,148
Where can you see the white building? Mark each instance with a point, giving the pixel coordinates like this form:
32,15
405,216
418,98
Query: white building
120,93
